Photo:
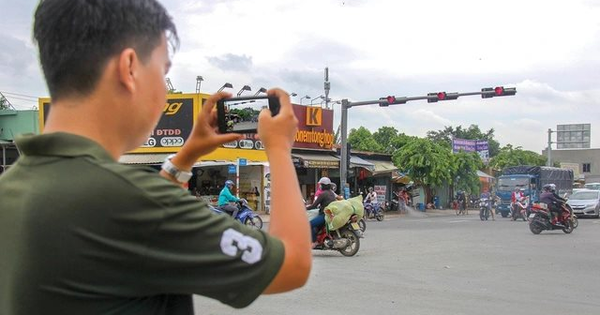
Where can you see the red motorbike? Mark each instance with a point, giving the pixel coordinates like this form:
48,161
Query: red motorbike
345,239
519,209
540,219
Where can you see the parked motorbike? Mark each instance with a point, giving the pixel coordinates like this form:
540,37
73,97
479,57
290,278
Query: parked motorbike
519,209
395,202
373,210
245,214
540,219
484,209
346,239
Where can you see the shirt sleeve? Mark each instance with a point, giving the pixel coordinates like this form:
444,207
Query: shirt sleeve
162,240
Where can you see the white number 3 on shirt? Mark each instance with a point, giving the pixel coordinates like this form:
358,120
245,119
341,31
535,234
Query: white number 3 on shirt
232,241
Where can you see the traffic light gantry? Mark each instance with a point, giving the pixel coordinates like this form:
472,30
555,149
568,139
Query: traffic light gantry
393,100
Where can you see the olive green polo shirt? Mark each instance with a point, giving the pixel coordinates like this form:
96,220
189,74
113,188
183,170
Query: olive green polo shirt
83,234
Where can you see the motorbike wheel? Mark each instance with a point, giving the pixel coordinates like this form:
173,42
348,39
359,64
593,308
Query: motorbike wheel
379,216
568,227
351,249
575,221
362,224
255,222
481,215
534,227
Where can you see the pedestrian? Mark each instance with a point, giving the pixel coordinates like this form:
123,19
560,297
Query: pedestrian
141,244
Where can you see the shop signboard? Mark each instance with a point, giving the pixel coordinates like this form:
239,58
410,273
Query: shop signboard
315,128
173,128
380,190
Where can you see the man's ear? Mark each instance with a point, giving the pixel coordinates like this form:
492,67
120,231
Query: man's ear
128,67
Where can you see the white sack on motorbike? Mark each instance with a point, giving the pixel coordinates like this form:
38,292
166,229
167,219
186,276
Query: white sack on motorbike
339,212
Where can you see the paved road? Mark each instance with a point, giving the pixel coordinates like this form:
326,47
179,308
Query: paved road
444,264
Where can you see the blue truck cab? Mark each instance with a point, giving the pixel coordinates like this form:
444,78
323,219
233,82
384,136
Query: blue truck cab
531,179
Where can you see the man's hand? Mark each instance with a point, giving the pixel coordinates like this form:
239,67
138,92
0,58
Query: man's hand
278,132
204,137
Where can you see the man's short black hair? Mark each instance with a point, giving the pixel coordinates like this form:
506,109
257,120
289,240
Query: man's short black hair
76,38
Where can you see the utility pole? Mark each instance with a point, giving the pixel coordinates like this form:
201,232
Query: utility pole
327,87
393,100
549,150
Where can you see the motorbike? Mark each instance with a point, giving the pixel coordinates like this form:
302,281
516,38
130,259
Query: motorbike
245,214
373,210
540,219
394,204
484,209
519,209
346,239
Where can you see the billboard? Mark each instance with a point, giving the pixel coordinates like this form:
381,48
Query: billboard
479,146
315,129
573,136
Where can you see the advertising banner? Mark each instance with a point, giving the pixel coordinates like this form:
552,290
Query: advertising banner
479,146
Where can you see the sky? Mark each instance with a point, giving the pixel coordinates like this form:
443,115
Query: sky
549,50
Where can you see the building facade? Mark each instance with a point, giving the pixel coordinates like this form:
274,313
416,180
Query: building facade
584,162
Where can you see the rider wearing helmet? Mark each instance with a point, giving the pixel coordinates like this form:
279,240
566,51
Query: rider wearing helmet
225,199
323,200
323,180
550,198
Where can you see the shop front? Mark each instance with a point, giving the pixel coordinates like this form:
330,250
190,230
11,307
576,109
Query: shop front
313,153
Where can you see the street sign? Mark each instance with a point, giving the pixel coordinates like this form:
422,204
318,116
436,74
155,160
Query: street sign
231,169
242,162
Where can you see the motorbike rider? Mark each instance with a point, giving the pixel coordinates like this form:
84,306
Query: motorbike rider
323,200
319,189
225,199
371,196
554,201
485,195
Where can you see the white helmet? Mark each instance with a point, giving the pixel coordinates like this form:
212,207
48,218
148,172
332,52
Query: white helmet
325,181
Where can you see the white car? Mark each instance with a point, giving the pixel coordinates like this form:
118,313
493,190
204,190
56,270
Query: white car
594,186
585,202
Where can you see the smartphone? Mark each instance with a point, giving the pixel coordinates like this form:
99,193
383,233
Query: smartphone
240,114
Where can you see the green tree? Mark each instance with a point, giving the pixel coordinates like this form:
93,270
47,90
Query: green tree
472,133
465,166
3,103
510,156
385,137
361,139
426,162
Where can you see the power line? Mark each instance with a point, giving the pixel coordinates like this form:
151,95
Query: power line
17,94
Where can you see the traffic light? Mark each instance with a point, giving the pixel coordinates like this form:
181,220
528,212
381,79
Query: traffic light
441,96
391,100
497,91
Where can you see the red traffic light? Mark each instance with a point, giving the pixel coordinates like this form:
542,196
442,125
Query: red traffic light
499,90
391,99
441,96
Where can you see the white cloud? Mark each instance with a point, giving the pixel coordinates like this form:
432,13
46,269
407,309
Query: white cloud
548,50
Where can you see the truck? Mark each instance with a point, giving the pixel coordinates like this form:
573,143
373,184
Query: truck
531,179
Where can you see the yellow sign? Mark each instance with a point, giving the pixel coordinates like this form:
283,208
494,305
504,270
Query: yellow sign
314,116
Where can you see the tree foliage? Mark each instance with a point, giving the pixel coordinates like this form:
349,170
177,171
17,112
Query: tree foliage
465,166
426,162
510,156
445,136
361,139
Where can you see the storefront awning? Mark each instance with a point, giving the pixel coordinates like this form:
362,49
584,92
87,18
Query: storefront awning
148,159
484,175
158,159
383,167
315,160
355,161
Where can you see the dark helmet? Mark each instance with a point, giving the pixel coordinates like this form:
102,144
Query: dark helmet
549,187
